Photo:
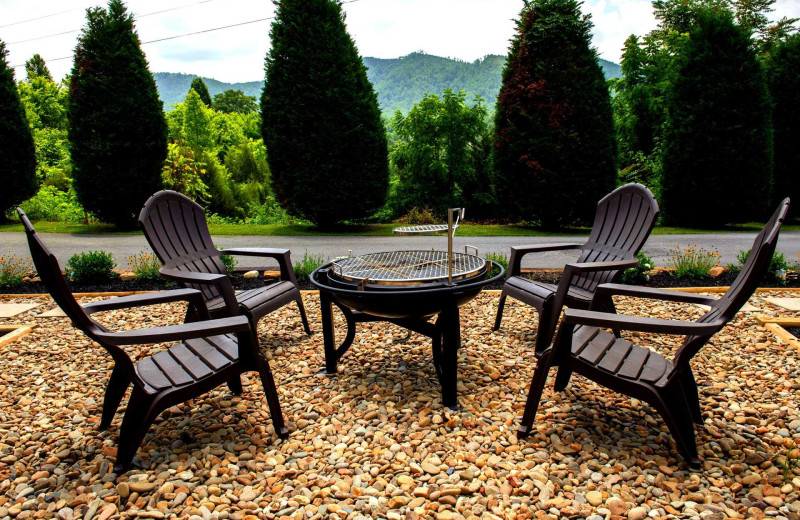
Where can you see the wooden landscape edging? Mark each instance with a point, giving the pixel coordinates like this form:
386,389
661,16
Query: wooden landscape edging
13,332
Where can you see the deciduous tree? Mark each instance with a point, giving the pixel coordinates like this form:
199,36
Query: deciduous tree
235,101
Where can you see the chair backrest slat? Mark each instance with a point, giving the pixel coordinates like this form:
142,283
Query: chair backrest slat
622,223
50,273
176,229
726,307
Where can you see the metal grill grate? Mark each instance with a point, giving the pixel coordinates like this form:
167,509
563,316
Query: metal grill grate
406,267
425,229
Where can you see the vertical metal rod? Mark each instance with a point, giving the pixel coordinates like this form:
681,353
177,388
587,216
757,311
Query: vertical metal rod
450,246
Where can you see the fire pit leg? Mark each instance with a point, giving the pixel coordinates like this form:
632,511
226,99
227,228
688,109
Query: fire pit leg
332,353
450,325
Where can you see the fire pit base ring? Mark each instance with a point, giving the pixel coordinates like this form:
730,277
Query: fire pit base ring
411,308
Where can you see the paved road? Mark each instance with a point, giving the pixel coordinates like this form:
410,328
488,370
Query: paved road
658,246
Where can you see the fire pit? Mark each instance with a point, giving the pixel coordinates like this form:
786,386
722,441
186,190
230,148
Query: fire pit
406,288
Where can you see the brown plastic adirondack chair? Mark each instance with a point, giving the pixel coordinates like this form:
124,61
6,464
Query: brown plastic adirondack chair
622,223
210,353
582,347
176,229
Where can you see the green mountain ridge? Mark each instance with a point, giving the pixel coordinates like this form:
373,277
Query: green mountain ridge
399,82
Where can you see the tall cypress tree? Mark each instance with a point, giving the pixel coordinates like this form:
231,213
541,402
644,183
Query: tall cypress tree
117,130
321,122
783,75
17,153
555,151
199,86
717,159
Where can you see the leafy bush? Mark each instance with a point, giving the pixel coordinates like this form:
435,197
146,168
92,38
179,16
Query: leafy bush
419,216
92,267
54,205
641,273
499,258
307,265
693,261
145,265
777,263
12,270
228,261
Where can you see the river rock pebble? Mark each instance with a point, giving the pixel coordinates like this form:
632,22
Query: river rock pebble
375,442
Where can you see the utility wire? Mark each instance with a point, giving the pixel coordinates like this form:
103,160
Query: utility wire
41,17
134,15
191,33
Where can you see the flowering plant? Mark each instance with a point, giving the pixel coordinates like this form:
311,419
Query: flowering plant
693,261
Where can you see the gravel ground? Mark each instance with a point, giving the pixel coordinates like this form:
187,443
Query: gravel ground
375,442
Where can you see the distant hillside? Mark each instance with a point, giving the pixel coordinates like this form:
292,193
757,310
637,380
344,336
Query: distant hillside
400,82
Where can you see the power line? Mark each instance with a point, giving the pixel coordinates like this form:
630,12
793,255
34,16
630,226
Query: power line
134,15
191,33
41,17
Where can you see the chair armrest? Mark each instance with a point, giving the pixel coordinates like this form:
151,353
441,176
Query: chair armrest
192,296
641,324
283,256
588,267
191,276
221,281
197,329
517,252
616,289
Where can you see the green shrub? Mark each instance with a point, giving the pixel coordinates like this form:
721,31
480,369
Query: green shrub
307,265
92,267
12,270
499,258
229,262
419,216
692,261
54,205
145,265
641,273
777,263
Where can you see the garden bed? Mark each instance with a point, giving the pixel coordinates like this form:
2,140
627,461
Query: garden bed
661,278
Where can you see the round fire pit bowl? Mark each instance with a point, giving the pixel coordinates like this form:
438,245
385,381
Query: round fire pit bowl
408,294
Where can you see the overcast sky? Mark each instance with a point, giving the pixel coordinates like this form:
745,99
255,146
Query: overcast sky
463,29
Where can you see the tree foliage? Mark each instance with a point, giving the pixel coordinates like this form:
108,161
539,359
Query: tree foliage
783,76
36,68
718,137
554,135
232,101
440,155
117,132
17,153
199,86
321,121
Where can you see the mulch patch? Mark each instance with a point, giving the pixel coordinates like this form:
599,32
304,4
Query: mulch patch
659,279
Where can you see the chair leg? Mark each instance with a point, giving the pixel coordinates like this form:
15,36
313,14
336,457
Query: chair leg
235,385
547,326
303,317
271,393
693,399
535,393
500,306
142,411
562,378
117,385
671,403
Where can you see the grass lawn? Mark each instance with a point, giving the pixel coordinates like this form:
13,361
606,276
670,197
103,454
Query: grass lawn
466,230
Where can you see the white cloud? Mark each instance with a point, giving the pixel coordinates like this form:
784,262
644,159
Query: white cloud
464,29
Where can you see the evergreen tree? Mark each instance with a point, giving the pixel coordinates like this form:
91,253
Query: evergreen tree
783,75
199,86
17,153
717,157
117,131
36,68
554,150
321,122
